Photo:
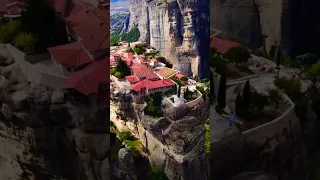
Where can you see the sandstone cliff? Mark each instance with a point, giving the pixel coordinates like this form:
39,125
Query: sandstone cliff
291,25
179,29
57,138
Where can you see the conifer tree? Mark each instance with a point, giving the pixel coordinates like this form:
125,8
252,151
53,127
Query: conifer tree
179,91
222,92
239,105
246,98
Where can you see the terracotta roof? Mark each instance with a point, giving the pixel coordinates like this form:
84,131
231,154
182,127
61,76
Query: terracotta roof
71,54
222,44
151,84
59,5
90,23
86,81
132,78
166,72
178,75
142,71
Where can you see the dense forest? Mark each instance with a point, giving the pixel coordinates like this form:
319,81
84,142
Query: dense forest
131,36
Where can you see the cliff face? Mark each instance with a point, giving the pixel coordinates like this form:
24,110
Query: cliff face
179,29
269,23
57,137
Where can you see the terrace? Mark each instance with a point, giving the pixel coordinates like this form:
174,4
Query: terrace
166,72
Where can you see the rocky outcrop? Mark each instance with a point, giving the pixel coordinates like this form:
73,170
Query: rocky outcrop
179,29
62,143
290,25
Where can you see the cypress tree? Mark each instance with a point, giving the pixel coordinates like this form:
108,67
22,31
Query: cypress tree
246,98
239,105
179,91
222,92
186,93
211,87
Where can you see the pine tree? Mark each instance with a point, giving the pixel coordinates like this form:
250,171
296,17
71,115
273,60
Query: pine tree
186,93
239,105
212,95
246,98
179,91
222,92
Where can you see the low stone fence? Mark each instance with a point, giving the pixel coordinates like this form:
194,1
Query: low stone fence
265,131
37,57
33,73
196,101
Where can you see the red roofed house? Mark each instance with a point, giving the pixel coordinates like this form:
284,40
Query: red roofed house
179,76
223,45
69,57
143,72
147,87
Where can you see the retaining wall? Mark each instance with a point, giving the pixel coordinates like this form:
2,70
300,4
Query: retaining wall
33,73
265,131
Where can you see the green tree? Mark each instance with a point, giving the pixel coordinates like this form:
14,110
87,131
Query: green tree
157,174
9,31
275,97
258,101
184,78
314,71
290,63
123,136
157,99
132,36
25,42
186,93
246,97
239,105
238,54
123,68
179,90
39,18
212,93
222,93
139,48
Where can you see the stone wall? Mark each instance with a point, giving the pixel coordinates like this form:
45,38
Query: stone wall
33,73
265,131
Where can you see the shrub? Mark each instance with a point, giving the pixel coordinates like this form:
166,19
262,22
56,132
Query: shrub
238,54
290,63
9,31
275,97
156,173
258,101
123,136
184,78
118,74
202,91
25,42
113,71
139,48
314,71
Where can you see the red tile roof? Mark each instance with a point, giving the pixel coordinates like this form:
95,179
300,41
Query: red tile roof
178,75
59,5
86,81
142,71
90,23
132,78
223,44
71,54
151,84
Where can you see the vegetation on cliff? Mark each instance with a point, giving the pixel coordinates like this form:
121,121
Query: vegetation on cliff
131,36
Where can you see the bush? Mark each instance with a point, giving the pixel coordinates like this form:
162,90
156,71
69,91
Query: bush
9,31
275,97
123,136
25,42
113,71
156,173
258,101
184,78
290,63
238,54
202,91
118,74
176,80
139,48
314,71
